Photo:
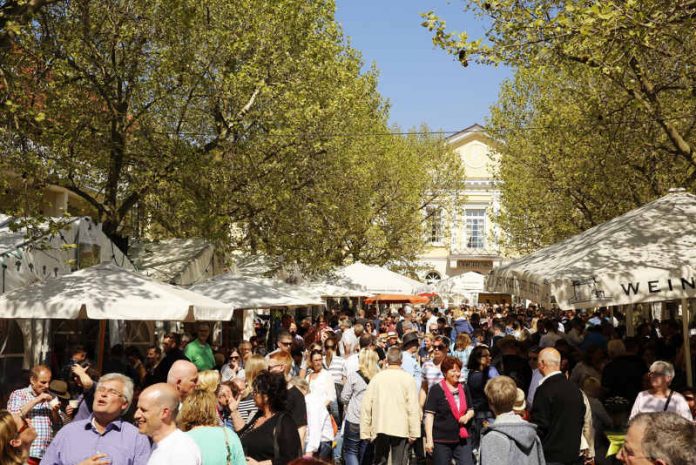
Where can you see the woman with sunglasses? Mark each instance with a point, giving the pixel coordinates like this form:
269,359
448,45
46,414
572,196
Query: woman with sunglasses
660,398
480,371
233,368
16,436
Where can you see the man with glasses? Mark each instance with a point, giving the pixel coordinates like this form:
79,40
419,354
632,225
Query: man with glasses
283,343
105,438
663,438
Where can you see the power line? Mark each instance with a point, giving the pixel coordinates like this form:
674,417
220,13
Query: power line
446,133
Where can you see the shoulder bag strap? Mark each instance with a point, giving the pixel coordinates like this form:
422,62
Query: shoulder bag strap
276,432
227,446
668,399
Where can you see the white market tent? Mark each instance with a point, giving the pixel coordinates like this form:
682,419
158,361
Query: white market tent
646,255
466,285
375,280
176,261
107,292
46,253
244,292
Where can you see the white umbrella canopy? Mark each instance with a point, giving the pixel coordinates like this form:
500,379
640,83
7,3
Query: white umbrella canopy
376,280
108,292
244,292
645,255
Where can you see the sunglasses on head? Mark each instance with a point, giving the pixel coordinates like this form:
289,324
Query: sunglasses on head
25,426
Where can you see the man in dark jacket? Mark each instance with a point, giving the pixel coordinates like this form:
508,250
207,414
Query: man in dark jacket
172,353
558,411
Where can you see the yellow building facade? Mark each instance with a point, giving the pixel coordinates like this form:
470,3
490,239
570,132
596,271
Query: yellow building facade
468,238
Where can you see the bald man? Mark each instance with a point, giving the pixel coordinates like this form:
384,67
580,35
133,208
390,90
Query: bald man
558,411
183,377
155,416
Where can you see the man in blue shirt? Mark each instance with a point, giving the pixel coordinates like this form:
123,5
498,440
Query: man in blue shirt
104,438
409,363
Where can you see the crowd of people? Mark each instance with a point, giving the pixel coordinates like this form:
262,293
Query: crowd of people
488,385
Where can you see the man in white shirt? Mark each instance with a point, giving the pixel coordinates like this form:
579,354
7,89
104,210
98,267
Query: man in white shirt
156,417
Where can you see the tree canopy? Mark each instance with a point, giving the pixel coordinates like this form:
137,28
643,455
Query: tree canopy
250,123
600,115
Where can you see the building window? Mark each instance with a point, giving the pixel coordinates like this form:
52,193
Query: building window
434,225
432,277
476,229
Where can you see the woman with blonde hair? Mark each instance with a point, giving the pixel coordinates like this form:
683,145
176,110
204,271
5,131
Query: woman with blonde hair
16,436
352,395
209,380
199,419
461,348
243,408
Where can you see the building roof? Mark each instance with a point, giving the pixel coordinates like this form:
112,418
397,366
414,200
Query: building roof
466,132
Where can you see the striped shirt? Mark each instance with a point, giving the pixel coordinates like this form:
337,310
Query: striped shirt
431,373
336,368
247,408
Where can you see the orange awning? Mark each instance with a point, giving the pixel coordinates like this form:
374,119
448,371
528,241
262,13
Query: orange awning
398,299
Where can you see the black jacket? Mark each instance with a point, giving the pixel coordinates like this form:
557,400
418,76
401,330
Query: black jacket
559,411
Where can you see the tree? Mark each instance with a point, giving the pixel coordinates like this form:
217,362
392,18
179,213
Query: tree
573,154
199,118
601,87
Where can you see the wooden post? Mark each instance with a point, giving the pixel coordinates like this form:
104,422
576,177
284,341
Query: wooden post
687,342
628,312
101,340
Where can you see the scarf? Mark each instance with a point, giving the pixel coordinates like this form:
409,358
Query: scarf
457,412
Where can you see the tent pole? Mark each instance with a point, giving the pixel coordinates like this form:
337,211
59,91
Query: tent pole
687,342
628,312
101,340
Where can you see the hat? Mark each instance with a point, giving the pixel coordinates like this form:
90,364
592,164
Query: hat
59,389
408,309
520,404
391,334
408,339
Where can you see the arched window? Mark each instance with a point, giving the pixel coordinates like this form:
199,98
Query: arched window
432,277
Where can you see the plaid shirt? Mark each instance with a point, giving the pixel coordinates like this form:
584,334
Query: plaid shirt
40,417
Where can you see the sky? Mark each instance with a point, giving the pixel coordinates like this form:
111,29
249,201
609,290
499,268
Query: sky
422,83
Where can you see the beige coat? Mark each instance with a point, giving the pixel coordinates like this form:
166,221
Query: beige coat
390,406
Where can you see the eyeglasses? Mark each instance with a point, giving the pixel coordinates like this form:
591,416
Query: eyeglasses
623,452
330,346
438,347
25,426
285,343
655,374
108,391
235,357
